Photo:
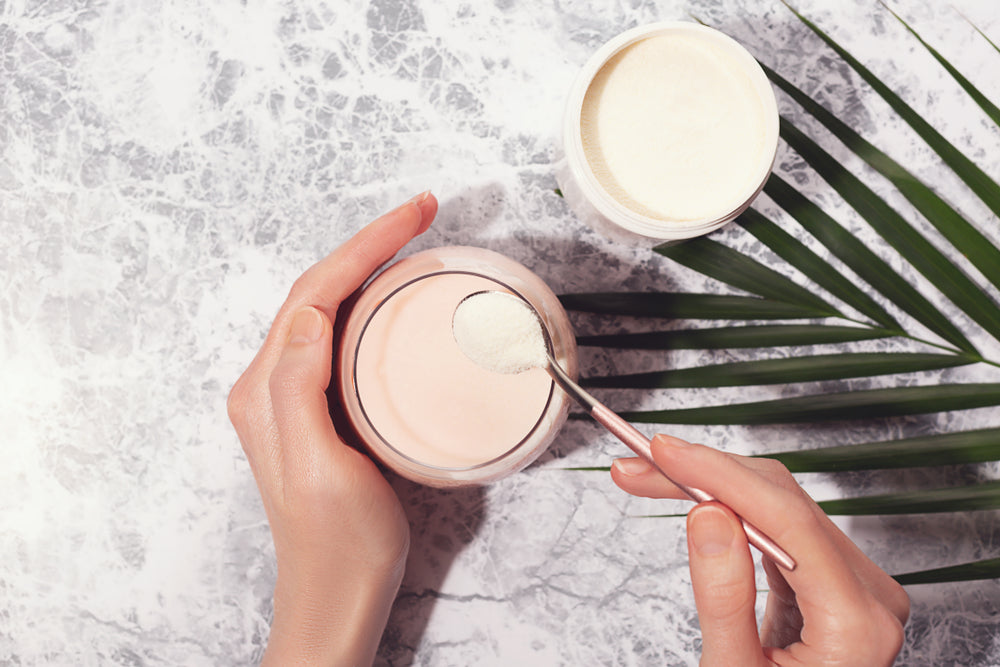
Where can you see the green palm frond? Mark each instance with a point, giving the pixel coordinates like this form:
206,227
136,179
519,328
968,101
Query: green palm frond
871,268
675,306
952,499
854,295
940,449
950,223
984,102
724,338
722,263
847,405
982,34
900,234
982,569
978,180
812,266
926,501
814,368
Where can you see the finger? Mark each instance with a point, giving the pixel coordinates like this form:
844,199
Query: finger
297,385
831,597
330,281
323,286
873,578
638,478
785,515
782,623
722,575
249,408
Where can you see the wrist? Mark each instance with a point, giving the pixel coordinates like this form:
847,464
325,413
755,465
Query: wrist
330,620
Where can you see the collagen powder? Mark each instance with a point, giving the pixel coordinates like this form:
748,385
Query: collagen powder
500,332
673,128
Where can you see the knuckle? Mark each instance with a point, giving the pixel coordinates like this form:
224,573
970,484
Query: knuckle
876,627
237,402
890,632
240,408
802,512
302,285
726,600
287,382
775,467
899,603
779,474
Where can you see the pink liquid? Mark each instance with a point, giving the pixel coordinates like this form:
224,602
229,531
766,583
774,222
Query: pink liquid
426,398
417,402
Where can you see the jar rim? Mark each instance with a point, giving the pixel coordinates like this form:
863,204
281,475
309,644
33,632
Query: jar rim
527,439
582,172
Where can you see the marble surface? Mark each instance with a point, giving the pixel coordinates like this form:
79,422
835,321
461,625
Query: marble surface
168,168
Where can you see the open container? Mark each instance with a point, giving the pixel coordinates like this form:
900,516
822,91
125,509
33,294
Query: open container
641,112
417,402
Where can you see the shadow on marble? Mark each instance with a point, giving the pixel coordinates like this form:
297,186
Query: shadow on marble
480,207
443,522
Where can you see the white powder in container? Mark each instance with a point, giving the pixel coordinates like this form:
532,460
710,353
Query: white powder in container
500,332
669,132
674,129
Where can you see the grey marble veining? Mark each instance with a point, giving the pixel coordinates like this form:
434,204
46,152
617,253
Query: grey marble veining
168,168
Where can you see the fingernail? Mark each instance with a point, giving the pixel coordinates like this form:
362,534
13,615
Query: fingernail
710,530
307,327
671,441
631,466
419,199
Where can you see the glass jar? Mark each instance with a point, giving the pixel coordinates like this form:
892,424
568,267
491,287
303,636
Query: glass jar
417,402
673,108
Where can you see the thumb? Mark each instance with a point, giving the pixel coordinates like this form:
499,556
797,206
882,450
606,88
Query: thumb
298,392
722,575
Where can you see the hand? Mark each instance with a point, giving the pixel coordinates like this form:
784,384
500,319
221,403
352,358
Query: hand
340,535
835,608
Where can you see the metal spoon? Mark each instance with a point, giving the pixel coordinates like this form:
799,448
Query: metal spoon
515,316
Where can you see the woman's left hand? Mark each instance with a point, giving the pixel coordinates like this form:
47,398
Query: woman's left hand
340,534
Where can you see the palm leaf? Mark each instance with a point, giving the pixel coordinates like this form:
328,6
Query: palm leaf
717,261
978,181
869,404
981,33
880,297
916,249
814,267
686,306
984,103
982,569
941,449
782,371
982,253
953,499
770,335
930,450
859,258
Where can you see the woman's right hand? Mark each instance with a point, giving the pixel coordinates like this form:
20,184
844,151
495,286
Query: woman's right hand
836,608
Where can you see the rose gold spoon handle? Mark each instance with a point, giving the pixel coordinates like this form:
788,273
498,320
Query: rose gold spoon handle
639,444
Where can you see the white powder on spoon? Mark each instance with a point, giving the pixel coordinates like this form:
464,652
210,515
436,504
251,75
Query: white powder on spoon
500,332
